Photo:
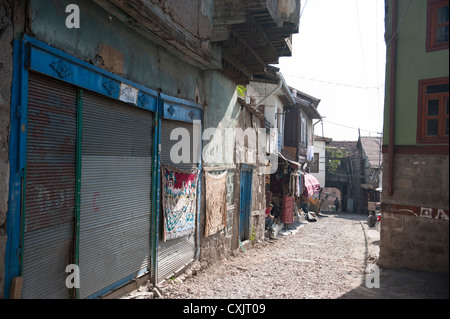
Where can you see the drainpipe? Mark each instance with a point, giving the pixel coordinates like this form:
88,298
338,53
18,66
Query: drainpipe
318,121
392,95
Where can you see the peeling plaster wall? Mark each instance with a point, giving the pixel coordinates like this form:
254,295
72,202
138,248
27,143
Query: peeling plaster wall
107,45
223,243
258,207
288,9
194,15
106,42
221,111
6,67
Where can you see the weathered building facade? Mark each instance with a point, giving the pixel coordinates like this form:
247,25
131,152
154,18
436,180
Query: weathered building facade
289,185
103,130
415,195
318,169
318,165
299,127
371,174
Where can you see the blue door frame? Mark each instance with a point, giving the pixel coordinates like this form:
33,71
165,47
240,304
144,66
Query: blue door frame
245,205
33,55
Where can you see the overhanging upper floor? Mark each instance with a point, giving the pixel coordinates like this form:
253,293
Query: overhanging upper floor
238,37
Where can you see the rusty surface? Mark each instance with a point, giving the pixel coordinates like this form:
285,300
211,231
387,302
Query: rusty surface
49,188
51,162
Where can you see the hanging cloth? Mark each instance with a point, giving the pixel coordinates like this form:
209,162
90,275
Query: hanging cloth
312,185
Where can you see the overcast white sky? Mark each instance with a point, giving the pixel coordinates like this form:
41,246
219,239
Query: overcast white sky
339,57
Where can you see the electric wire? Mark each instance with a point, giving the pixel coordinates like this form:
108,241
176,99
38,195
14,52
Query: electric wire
304,6
350,127
363,60
399,24
335,83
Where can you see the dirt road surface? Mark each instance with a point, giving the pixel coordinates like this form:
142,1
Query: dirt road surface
327,259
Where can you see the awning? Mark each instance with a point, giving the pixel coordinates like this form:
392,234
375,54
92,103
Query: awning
294,164
312,185
369,186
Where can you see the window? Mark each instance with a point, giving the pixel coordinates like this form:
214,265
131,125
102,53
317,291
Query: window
314,166
303,137
433,111
437,25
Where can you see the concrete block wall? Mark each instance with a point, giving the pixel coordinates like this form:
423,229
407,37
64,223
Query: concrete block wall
419,180
414,229
408,241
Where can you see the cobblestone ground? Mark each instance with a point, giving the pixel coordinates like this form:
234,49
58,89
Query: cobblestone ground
326,259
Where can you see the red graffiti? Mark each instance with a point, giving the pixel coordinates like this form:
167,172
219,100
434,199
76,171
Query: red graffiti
94,205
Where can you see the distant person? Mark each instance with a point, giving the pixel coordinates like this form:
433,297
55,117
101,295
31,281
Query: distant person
269,220
269,216
336,204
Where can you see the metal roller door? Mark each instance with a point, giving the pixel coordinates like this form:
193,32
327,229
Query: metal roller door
115,207
49,187
176,253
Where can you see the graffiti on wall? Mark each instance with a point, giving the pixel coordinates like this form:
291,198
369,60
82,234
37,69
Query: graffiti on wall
428,213
421,212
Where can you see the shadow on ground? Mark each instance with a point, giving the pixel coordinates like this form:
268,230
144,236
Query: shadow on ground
404,283
399,283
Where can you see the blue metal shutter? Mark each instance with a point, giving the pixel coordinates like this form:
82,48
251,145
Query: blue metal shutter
115,213
50,187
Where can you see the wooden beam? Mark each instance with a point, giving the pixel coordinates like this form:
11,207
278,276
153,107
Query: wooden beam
156,25
219,168
16,288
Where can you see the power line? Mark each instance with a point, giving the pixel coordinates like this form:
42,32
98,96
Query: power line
364,67
335,83
354,128
399,24
358,27
304,6
377,53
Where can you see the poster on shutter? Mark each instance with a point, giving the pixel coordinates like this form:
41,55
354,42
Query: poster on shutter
128,93
179,201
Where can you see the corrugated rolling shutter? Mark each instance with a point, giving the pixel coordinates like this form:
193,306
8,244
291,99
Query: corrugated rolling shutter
50,187
174,254
115,192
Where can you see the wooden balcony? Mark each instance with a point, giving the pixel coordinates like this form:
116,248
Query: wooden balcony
253,34
239,37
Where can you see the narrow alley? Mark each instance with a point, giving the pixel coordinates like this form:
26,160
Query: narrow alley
326,259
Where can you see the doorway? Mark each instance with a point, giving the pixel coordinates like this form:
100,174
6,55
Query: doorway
245,202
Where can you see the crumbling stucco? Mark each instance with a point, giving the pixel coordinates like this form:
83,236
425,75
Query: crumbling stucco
6,66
